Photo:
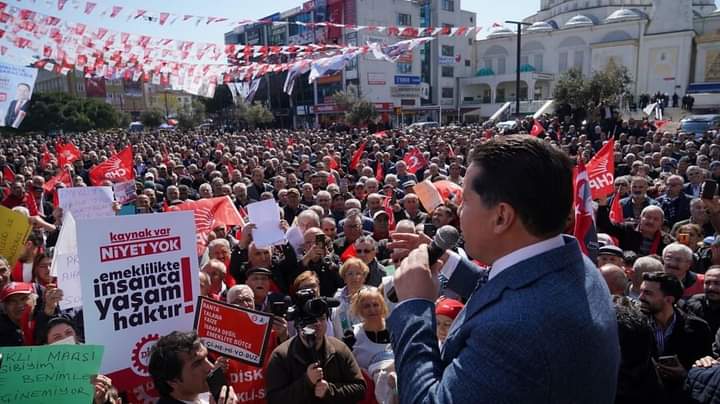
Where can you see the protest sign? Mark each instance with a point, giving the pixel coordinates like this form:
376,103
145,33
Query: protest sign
16,87
139,282
57,374
14,231
65,266
87,202
232,331
266,216
429,195
125,192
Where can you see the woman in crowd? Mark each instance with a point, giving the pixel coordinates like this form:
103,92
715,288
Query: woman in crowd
354,272
446,310
41,268
366,249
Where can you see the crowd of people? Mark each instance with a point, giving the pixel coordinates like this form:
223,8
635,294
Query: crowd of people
347,220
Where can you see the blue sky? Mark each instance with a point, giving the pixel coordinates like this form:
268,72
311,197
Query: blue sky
488,11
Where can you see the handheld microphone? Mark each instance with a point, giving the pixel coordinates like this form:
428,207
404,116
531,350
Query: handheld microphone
446,238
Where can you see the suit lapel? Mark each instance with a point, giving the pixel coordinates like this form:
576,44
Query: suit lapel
514,277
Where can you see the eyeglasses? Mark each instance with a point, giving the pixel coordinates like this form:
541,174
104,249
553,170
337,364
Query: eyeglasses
363,251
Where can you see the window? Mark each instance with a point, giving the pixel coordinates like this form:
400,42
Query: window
501,66
404,19
524,60
404,68
500,95
448,5
563,62
407,103
538,62
579,62
467,63
448,50
448,71
448,92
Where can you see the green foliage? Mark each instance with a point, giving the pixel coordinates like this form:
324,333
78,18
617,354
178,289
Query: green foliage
605,86
188,121
256,115
152,118
358,112
62,111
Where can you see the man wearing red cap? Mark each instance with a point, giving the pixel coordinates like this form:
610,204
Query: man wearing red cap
20,321
445,311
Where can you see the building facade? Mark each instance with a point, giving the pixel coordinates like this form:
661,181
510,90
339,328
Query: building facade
421,84
667,46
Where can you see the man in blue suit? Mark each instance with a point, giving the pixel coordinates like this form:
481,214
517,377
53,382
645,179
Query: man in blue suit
542,329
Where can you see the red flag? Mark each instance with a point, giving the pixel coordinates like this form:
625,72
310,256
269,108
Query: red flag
291,141
379,174
616,212
450,191
537,129
584,229
31,204
349,252
659,124
46,158
415,160
8,174
118,168
115,11
451,152
356,156
380,134
63,177
269,144
210,213
389,210
331,179
67,153
601,171
333,164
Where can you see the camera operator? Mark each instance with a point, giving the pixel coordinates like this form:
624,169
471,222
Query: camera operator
320,259
312,366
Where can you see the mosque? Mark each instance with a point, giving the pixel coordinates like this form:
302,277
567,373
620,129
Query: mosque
667,46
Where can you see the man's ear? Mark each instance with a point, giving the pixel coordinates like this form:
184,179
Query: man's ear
504,218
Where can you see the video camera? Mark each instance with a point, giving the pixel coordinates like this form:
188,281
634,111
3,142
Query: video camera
308,307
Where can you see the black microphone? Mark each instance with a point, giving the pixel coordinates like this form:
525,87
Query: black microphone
446,238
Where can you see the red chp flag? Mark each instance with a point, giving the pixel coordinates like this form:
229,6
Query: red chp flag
63,177
8,174
601,171
46,158
584,221
449,191
616,212
209,214
387,206
537,129
67,153
118,168
415,160
379,172
356,156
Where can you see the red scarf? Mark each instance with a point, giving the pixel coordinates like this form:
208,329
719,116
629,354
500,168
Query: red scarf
655,244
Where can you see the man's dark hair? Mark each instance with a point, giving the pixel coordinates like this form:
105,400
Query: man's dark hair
529,175
669,284
165,362
26,85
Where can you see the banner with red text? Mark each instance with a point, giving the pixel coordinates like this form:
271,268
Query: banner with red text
232,331
139,282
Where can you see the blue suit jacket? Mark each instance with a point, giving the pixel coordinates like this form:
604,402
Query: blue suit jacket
542,331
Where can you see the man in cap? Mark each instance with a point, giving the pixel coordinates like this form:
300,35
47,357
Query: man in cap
259,281
17,299
610,254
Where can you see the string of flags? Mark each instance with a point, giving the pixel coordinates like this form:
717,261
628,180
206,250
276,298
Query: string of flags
165,18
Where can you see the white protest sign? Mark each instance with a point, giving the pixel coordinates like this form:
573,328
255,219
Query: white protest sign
139,281
65,264
266,216
125,192
87,202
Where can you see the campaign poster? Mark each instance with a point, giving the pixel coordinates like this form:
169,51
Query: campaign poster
95,87
235,332
16,87
139,282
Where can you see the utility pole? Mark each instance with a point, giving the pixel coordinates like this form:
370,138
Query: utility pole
519,25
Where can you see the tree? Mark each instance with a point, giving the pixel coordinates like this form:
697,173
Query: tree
257,115
49,112
358,112
586,94
151,118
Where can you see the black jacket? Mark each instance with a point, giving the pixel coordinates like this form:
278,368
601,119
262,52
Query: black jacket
327,270
284,262
699,306
690,339
626,233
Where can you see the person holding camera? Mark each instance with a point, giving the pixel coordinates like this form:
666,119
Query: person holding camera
311,366
320,259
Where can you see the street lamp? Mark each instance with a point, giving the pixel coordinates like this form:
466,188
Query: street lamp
519,25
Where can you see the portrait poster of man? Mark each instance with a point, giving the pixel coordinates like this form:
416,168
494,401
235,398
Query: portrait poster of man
16,87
